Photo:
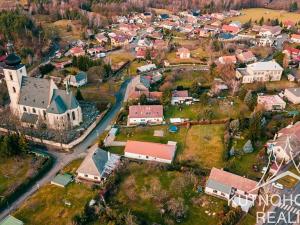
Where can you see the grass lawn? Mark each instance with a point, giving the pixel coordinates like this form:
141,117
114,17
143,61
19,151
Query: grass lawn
120,56
15,170
115,149
146,134
221,110
248,220
145,189
134,65
186,79
257,13
173,59
47,205
204,146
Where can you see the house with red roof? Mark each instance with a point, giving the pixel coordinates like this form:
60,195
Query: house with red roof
288,24
295,38
227,59
230,29
150,151
180,97
292,53
246,57
183,53
237,190
145,114
271,102
286,143
77,51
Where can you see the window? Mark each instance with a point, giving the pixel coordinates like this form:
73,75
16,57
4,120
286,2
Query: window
24,109
44,113
73,115
33,110
96,178
11,77
14,89
215,191
86,175
68,115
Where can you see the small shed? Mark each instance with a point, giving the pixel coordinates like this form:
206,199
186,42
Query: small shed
10,220
62,180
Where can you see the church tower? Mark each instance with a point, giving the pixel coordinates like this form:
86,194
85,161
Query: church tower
13,72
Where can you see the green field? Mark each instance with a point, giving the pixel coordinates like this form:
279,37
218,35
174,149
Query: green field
48,205
16,170
204,146
257,13
145,189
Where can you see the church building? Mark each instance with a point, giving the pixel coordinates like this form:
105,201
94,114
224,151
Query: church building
37,100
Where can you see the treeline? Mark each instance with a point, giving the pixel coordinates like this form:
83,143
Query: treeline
13,144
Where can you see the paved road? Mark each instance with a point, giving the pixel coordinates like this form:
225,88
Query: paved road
62,159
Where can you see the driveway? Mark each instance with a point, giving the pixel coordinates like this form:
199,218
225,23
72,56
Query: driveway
79,151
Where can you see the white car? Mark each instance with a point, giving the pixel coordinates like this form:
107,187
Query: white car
277,185
264,169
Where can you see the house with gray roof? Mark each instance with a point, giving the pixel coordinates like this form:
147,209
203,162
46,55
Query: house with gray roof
78,80
97,165
293,95
36,100
260,72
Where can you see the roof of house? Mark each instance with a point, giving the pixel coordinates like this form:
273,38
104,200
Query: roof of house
61,102
295,36
10,220
230,28
182,94
145,111
62,179
232,180
270,99
246,56
228,59
96,162
218,186
294,91
270,65
272,29
157,150
183,51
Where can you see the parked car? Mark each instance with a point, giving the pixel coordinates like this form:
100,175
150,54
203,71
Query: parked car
277,185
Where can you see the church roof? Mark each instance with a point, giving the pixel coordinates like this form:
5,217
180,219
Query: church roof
12,60
34,92
61,102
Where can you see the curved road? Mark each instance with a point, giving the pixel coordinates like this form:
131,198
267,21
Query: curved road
62,159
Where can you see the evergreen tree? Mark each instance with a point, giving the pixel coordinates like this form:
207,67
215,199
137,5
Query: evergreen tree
79,96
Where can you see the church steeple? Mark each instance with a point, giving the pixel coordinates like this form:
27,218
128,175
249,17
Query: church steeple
12,59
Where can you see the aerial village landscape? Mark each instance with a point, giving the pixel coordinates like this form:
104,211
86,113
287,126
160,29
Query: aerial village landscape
149,112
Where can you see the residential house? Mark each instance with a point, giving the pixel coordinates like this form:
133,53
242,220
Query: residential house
292,53
150,151
286,143
94,51
269,31
78,80
101,38
295,38
119,40
97,165
267,41
183,53
237,190
145,114
145,43
160,45
293,95
10,220
229,59
211,29
146,68
246,57
180,97
271,102
77,51
230,29
288,24
260,72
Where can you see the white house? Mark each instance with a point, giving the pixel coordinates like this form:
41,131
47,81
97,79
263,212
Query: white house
146,68
271,102
286,143
34,99
295,38
293,95
78,80
237,190
150,151
260,72
145,114
179,97
270,31
97,165
183,53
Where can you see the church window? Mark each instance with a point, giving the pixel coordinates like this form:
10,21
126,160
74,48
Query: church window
33,110
14,89
73,115
24,108
11,77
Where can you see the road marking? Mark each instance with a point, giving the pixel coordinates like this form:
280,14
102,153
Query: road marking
289,208
285,207
295,210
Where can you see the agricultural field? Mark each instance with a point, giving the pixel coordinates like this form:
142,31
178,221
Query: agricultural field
16,170
204,146
55,205
145,188
256,13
